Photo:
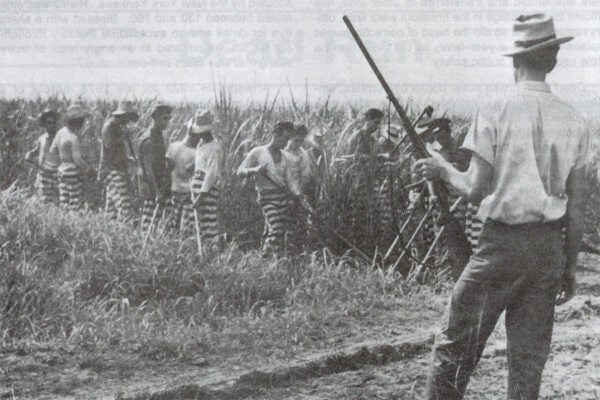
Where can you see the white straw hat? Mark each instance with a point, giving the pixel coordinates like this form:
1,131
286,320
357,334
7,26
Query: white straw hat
534,32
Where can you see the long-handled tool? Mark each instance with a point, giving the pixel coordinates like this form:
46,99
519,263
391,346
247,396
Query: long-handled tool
435,241
414,235
149,227
196,224
310,210
460,249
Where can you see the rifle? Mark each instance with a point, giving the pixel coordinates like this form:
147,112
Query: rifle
459,247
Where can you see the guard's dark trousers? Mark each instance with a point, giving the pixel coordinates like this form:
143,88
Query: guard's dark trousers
517,268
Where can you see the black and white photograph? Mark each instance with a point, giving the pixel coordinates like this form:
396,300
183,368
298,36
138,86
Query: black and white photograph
310,199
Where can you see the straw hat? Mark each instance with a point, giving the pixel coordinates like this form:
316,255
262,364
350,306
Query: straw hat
75,111
534,32
201,122
125,108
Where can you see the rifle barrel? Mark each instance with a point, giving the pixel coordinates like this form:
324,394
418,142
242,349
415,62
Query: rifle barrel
420,150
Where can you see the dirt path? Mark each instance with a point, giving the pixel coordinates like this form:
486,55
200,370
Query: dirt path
373,360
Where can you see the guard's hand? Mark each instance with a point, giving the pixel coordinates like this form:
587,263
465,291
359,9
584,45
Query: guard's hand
567,288
432,167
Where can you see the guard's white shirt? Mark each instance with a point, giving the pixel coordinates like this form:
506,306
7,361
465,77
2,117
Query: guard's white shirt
532,140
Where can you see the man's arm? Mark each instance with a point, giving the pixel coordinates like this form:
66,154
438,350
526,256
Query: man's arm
170,157
212,173
249,165
76,154
576,190
472,184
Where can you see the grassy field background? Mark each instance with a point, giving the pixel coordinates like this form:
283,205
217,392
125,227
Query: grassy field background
79,283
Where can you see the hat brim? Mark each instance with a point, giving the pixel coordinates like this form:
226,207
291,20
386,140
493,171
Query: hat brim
553,42
199,129
120,112
76,116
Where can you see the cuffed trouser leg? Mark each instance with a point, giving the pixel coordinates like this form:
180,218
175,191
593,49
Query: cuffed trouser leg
470,318
529,323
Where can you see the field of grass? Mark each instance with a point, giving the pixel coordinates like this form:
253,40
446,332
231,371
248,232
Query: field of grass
80,283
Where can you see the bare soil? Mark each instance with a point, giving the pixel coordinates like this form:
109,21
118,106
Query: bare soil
379,355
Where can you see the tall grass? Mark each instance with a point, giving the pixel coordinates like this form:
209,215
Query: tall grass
240,130
85,281
82,280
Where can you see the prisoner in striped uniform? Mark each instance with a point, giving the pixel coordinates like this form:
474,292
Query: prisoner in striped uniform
206,179
180,158
152,170
66,147
114,157
438,134
302,169
47,164
274,185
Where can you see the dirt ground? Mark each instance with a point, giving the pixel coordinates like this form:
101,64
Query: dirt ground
384,356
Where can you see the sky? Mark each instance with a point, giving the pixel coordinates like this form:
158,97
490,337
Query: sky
442,52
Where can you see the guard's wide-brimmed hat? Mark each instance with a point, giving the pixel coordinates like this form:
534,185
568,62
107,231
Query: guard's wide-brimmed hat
75,111
126,108
534,32
201,122
160,109
48,112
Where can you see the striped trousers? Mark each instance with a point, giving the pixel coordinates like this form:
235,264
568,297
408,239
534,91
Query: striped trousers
207,208
473,225
182,213
47,183
152,214
70,190
275,208
383,200
118,198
